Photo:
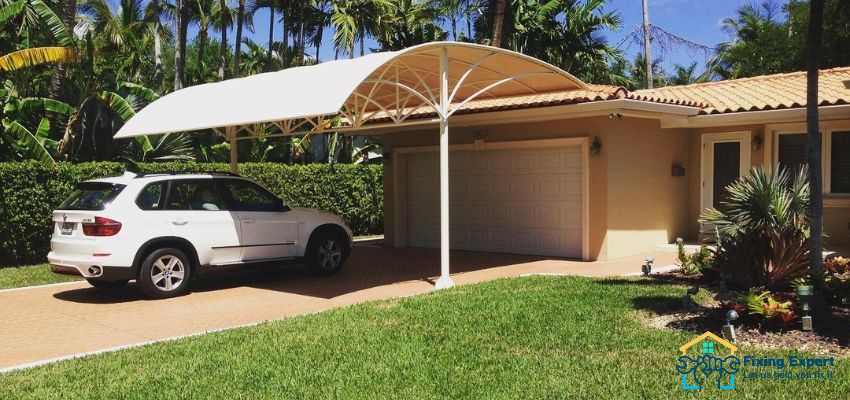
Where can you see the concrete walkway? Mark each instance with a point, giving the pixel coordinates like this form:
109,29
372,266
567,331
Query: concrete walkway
44,324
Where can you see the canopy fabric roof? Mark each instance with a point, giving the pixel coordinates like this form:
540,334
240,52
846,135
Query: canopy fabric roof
388,84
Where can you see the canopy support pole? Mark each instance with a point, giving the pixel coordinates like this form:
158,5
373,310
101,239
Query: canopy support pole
445,280
231,135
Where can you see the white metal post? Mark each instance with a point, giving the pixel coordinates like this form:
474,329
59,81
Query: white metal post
445,280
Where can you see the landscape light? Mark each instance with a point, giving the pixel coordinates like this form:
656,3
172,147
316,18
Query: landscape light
728,329
804,293
688,301
647,266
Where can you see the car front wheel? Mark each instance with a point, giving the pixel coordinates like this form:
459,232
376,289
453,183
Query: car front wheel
327,254
165,273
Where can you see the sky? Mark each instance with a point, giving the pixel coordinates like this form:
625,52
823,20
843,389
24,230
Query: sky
694,20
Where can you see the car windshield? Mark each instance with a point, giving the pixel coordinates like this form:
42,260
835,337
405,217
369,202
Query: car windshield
91,196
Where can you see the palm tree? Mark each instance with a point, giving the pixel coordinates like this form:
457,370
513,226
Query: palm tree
181,24
686,75
354,19
413,22
244,19
272,6
225,21
812,126
202,12
155,12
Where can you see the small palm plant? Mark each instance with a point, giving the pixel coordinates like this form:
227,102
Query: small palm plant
762,233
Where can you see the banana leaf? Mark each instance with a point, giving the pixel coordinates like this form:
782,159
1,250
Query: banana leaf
36,56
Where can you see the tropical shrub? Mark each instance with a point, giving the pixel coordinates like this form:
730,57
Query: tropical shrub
765,307
837,278
695,263
29,192
762,231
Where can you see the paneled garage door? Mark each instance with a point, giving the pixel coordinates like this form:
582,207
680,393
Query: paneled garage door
523,200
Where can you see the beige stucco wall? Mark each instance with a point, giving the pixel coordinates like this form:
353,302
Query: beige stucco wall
836,210
646,207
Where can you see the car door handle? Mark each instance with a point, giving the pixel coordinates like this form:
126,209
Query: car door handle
180,222
248,220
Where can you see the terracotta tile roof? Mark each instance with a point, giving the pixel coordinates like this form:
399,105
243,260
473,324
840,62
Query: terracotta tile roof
767,92
595,93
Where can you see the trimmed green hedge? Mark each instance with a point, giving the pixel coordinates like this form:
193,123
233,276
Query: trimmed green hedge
29,192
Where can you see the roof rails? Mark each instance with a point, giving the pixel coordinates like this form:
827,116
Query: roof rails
217,173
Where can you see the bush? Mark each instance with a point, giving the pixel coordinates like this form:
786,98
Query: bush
837,279
762,232
692,264
29,192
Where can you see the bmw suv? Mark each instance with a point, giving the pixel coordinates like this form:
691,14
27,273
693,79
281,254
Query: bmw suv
161,229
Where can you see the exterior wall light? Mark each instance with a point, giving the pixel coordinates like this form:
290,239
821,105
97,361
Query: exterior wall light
595,147
728,329
647,267
756,143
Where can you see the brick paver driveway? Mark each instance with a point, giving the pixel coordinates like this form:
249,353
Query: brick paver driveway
58,321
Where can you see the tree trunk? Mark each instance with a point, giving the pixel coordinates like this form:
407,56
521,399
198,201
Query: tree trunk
179,44
454,26
203,39
157,56
222,62
237,57
814,135
498,22
301,42
271,37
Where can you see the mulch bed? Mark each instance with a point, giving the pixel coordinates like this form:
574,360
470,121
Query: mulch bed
831,333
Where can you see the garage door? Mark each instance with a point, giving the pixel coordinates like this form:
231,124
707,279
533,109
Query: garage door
523,201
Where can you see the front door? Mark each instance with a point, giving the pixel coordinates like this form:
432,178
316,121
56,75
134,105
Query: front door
269,228
725,158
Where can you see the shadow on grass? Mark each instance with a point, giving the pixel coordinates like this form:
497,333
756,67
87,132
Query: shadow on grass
658,304
640,281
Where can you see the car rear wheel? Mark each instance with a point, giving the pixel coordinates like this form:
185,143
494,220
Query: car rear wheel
165,273
107,285
326,253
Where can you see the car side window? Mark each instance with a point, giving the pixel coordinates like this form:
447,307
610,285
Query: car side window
152,196
247,196
194,195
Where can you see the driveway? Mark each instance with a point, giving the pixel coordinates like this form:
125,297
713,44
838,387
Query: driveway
53,322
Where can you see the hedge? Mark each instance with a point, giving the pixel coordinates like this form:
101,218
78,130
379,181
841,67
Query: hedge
29,192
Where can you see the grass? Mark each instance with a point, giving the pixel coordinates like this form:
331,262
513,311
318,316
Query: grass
538,337
30,275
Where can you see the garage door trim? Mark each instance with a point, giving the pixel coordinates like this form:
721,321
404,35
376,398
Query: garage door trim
400,172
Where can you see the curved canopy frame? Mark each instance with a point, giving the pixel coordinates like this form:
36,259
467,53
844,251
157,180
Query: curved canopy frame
347,94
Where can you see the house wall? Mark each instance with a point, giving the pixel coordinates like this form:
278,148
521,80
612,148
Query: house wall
836,207
644,208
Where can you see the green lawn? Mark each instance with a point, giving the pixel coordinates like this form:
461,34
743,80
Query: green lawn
538,337
30,275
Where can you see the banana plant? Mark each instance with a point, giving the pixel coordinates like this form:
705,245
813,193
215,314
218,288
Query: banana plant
35,13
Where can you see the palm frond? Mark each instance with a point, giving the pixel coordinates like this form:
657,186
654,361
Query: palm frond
10,11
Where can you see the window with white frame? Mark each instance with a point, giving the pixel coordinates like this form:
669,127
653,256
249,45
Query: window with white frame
791,152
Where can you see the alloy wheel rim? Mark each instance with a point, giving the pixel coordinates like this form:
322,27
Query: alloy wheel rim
168,273
330,255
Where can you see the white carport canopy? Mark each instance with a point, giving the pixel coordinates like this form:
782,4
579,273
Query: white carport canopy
440,76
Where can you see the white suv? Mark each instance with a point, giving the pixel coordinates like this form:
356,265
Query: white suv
160,228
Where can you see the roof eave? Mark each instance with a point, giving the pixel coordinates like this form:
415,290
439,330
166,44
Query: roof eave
755,117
